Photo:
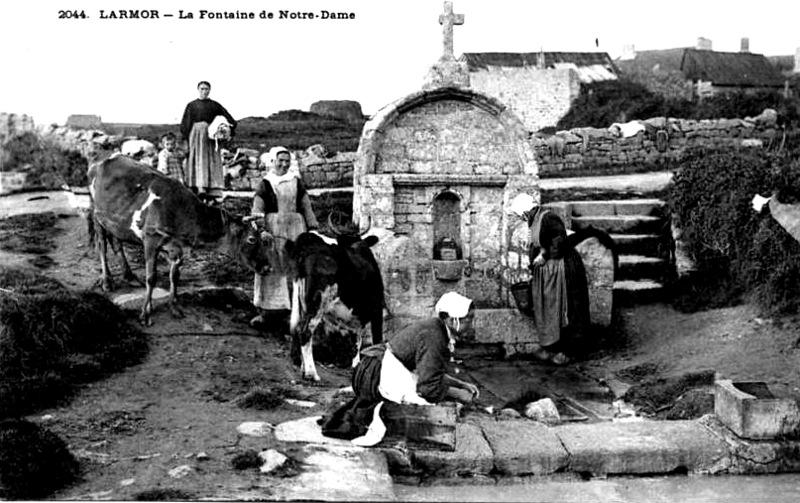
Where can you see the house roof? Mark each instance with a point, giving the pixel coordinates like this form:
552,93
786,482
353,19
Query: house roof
590,66
730,68
784,64
740,69
663,60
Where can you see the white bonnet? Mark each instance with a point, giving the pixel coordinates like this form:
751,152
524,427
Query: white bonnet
268,157
522,203
454,304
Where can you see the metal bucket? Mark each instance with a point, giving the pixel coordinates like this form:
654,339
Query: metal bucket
522,296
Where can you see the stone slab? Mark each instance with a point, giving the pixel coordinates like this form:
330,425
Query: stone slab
644,447
135,300
755,457
524,447
336,473
472,456
308,431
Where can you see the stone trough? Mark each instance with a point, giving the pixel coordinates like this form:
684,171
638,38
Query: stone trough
753,411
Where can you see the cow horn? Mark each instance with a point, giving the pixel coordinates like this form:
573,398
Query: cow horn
334,228
369,226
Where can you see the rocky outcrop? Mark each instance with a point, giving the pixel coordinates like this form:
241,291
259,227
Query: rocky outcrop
342,109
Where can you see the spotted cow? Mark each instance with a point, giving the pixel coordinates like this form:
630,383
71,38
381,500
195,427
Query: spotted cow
133,203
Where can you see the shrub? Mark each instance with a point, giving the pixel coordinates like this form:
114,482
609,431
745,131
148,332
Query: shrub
47,164
742,251
600,104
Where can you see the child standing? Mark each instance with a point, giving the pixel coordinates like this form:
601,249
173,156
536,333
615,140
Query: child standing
169,161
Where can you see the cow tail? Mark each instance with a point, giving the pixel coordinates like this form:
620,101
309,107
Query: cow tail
590,232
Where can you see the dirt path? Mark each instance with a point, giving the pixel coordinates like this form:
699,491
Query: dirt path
179,407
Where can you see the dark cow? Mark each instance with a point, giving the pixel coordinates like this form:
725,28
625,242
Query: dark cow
339,277
133,203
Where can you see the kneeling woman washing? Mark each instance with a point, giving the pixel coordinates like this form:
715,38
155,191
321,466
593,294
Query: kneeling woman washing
411,367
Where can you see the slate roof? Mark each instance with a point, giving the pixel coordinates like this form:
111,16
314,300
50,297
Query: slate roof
590,66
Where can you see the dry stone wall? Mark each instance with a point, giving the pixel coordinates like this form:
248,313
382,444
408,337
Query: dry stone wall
659,140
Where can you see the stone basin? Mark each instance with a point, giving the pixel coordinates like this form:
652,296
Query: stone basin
755,411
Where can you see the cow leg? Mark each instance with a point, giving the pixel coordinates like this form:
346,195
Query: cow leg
300,330
308,367
127,272
376,326
359,342
151,245
175,257
102,245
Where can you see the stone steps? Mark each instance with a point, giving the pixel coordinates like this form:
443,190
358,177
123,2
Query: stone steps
620,224
641,232
650,245
635,267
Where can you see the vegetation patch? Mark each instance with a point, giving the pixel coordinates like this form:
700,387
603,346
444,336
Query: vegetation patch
656,394
738,252
45,163
22,281
51,343
262,399
163,494
34,462
601,104
247,460
29,233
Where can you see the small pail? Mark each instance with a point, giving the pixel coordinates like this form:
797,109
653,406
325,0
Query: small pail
522,296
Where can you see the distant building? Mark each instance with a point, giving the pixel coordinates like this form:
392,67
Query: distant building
84,121
700,71
538,86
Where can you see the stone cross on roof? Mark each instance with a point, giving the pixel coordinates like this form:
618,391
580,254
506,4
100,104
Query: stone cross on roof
448,20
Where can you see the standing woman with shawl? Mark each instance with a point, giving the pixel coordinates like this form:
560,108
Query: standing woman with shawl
282,200
204,165
559,288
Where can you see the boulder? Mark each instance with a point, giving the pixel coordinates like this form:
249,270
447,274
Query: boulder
341,109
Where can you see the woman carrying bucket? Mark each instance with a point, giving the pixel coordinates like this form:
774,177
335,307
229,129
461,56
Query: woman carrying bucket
559,292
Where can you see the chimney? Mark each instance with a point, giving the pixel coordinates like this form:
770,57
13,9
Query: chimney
797,60
745,47
703,44
628,52
541,63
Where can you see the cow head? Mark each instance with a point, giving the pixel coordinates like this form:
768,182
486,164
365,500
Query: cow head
255,249
348,234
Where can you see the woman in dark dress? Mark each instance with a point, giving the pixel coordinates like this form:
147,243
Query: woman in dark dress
559,290
204,164
411,367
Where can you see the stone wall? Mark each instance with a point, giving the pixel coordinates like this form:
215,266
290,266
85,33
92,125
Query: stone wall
539,97
661,139
89,142
317,168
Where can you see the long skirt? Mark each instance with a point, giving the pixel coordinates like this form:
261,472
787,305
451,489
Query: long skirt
352,419
271,291
204,164
560,298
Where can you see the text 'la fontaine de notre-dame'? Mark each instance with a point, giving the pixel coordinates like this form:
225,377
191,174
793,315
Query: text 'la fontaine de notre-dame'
207,14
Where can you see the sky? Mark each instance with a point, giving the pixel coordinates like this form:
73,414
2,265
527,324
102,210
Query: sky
146,70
